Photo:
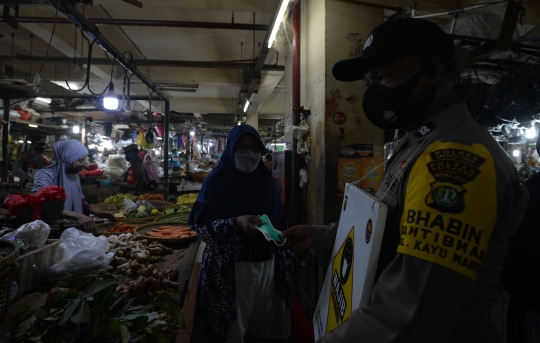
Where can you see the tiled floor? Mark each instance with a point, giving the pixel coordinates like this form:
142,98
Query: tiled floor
185,335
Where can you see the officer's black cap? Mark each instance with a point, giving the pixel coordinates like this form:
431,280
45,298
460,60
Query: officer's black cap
394,39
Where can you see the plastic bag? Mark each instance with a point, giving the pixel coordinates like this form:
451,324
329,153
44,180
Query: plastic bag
129,204
79,258
141,140
35,233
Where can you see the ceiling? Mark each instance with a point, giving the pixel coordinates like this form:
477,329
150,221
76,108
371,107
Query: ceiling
211,89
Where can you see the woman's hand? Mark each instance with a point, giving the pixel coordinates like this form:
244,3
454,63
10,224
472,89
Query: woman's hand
87,224
247,225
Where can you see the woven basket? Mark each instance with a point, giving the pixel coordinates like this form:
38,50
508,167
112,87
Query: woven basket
34,264
11,249
139,231
6,279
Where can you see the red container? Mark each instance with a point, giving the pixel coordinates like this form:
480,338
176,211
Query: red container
24,115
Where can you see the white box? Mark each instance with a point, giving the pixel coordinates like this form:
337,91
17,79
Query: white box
351,273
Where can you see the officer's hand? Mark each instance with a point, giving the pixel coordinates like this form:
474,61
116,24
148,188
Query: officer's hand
87,224
247,225
299,238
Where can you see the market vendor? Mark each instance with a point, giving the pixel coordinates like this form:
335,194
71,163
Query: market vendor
28,164
135,178
70,157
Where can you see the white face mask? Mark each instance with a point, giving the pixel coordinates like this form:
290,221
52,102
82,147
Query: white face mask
247,161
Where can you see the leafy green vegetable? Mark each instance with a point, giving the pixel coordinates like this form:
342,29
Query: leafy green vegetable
99,315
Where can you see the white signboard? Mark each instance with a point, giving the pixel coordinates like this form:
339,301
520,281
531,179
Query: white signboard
351,273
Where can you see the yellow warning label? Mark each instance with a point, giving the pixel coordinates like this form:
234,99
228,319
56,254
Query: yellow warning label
341,285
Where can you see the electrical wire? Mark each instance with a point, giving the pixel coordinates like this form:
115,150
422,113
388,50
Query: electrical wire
50,40
88,67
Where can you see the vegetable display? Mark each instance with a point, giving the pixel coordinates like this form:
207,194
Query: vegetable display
171,232
132,252
149,196
187,198
99,314
120,198
178,208
150,283
123,228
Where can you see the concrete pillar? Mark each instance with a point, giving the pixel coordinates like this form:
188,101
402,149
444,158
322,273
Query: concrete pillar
347,27
332,31
253,120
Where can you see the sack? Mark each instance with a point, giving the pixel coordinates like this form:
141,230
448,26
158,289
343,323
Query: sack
79,258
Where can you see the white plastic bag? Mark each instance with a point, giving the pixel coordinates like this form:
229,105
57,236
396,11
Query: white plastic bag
80,256
35,233
128,204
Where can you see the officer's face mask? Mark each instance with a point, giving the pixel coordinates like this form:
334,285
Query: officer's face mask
131,156
394,108
247,161
268,230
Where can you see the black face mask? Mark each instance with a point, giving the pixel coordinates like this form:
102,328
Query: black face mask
395,108
132,156
39,149
74,170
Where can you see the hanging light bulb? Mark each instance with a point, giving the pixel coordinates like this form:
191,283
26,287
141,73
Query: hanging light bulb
76,128
530,132
515,153
192,133
110,101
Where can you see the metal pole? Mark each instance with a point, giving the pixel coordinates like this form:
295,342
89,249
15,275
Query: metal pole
454,23
166,150
461,10
5,136
296,200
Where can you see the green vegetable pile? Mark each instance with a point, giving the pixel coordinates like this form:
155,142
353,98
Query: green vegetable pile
178,208
99,315
141,209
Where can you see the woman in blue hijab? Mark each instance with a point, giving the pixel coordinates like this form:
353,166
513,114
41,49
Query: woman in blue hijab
244,286
70,157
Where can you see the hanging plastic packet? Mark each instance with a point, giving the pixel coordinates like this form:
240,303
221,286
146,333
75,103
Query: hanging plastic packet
268,230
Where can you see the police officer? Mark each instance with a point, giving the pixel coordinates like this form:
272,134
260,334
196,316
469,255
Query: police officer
135,178
27,165
453,197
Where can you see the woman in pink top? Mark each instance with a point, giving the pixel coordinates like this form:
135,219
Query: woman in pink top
152,169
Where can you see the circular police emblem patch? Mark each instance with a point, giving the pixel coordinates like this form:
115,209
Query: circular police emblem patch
446,197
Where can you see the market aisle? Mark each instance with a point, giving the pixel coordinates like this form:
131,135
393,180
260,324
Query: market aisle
189,308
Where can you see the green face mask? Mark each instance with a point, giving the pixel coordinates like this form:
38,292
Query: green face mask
268,230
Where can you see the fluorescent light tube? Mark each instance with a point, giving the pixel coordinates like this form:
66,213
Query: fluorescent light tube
277,23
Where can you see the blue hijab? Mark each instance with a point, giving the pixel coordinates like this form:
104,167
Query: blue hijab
228,192
65,153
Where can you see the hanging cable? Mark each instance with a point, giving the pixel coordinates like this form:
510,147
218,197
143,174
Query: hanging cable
50,40
88,67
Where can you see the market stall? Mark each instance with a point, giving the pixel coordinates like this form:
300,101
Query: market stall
129,279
